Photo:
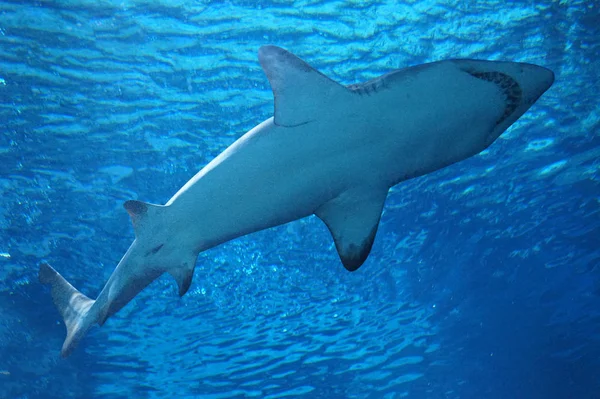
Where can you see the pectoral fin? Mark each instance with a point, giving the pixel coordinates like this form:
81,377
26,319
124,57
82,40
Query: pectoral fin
353,218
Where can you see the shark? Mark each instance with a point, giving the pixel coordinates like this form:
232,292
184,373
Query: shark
329,150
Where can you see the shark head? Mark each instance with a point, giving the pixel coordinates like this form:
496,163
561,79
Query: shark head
520,83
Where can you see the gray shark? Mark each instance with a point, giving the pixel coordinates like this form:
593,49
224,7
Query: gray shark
329,150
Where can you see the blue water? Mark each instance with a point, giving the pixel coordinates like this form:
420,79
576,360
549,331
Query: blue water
484,279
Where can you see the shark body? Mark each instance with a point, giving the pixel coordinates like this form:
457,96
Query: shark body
329,150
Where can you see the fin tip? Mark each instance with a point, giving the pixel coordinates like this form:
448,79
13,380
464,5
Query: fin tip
45,273
135,207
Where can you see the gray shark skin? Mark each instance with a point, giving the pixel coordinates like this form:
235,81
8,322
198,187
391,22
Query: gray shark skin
329,150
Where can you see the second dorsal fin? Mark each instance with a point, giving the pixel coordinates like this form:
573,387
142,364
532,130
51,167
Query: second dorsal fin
142,214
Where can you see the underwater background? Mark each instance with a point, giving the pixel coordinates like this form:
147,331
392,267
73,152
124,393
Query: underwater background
484,279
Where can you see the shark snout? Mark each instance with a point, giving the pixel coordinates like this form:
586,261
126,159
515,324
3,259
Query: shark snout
523,83
520,85
534,80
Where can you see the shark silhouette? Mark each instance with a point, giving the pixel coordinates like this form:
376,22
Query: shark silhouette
329,150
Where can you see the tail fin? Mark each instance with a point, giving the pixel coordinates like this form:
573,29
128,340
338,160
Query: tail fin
73,306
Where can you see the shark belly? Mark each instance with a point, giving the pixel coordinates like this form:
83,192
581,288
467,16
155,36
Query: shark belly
272,175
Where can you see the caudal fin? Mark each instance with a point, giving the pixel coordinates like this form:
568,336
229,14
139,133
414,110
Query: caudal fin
73,306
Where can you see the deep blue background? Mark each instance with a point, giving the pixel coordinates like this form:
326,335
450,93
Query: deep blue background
483,281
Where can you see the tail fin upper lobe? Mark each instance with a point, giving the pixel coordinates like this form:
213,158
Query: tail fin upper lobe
73,306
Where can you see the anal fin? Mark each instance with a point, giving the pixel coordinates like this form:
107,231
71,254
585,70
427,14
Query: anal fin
352,218
183,275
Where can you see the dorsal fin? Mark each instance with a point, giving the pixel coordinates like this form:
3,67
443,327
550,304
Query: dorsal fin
141,213
352,218
299,90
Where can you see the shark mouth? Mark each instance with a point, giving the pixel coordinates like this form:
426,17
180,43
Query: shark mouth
509,87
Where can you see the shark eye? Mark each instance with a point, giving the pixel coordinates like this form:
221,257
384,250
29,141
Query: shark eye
511,89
